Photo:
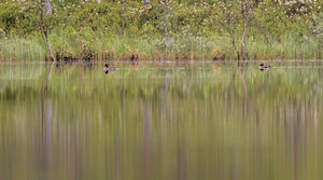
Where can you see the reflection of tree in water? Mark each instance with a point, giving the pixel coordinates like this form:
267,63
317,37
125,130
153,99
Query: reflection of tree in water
146,151
181,173
116,156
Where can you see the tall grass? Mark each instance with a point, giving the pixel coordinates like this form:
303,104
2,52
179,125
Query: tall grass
288,47
21,49
107,46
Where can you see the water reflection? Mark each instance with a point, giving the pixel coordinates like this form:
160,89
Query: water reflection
233,124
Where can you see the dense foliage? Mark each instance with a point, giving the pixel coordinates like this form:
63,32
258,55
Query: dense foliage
168,23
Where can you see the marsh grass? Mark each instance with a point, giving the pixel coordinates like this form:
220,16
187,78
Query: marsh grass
21,49
106,46
289,47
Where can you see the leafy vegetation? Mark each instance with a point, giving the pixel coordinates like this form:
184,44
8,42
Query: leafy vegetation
165,29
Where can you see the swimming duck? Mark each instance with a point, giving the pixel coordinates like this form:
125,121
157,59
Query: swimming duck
263,67
107,68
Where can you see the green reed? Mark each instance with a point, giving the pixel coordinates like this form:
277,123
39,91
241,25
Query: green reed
107,46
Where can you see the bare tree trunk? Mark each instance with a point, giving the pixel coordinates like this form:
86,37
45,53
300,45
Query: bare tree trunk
122,14
165,22
147,5
243,38
146,2
48,7
44,30
231,33
165,5
234,44
247,9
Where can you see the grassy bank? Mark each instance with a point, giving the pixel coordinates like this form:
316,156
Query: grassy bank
106,46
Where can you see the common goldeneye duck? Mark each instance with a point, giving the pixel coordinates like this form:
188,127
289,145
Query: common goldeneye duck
263,67
107,68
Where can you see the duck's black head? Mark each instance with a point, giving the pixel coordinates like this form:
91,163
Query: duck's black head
262,64
106,65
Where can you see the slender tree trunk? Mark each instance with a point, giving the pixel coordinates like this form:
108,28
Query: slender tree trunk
147,5
231,33
44,30
234,44
247,9
165,22
45,34
123,12
243,38
48,7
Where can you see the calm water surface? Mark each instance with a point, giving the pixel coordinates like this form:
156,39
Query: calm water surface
161,122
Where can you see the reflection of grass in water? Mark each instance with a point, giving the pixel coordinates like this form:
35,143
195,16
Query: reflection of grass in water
196,114
191,81
22,72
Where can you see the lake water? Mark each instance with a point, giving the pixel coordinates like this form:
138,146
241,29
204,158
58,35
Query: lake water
161,121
